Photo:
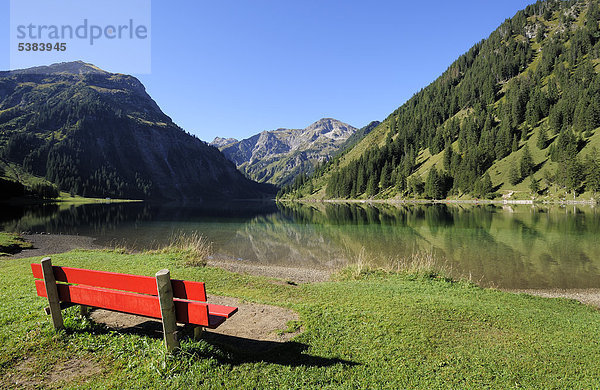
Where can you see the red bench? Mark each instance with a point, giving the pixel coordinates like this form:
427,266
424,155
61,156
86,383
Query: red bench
172,301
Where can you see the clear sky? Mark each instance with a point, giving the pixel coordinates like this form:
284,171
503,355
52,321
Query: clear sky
235,68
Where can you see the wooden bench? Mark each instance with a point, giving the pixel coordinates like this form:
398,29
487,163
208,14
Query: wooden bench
172,301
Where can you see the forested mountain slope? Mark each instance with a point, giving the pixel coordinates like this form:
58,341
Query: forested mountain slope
517,115
99,134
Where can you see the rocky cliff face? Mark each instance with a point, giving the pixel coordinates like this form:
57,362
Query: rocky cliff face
100,134
277,156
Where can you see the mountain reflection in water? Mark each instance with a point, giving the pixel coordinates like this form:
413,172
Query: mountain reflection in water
508,247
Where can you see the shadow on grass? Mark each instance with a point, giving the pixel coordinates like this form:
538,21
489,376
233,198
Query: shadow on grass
290,353
537,167
226,349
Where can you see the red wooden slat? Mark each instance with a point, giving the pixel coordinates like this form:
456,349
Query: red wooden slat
183,289
221,311
112,280
186,289
144,305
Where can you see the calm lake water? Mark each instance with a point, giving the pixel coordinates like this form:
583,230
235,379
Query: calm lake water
508,247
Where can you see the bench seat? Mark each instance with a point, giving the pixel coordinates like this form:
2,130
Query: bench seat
131,294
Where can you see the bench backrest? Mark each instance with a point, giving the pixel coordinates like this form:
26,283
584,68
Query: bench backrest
183,289
133,294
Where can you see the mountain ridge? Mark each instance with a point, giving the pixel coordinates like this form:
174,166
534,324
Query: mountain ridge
99,134
278,156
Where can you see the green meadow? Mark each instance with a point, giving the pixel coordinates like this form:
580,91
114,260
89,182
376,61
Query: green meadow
363,329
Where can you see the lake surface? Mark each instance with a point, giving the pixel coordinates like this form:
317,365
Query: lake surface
518,246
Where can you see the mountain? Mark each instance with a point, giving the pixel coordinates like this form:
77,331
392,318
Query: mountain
99,134
219,142
277,156
516,116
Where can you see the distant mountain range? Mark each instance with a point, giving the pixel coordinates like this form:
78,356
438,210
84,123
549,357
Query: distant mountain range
99,134
278,156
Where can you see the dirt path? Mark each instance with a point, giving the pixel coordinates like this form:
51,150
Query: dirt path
254,329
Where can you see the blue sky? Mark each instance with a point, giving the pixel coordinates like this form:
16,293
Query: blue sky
234,68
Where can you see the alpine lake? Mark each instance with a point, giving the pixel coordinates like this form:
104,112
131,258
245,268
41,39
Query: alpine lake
503,246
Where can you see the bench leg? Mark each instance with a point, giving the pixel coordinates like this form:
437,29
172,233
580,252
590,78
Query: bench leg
83,310
167,309
52,294
198,330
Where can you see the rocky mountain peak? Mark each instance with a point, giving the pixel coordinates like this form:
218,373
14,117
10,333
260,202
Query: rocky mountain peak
277,156
331,128
219,142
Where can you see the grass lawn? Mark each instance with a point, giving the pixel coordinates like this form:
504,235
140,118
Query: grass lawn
12,243
374,330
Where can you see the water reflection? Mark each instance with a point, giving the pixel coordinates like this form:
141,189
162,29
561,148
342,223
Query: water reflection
511,247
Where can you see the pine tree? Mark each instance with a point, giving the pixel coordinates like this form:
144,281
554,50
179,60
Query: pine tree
415,185
485,186
513,175
504,140
448,157
400,181
555,118
534,185
592,172
548,177
372,188
384,180
580,115
574,176
515,144
526,162
432,184
542,139
524,132
592,116
360,181
553,94
534,108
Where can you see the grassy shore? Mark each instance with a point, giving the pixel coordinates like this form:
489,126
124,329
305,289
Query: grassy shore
12,243
516,200
67,198
363,330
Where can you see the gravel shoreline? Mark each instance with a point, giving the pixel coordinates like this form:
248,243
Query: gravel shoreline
588,296
48,244
290,274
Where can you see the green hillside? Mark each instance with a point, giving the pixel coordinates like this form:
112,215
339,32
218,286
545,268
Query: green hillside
516,116
74,128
